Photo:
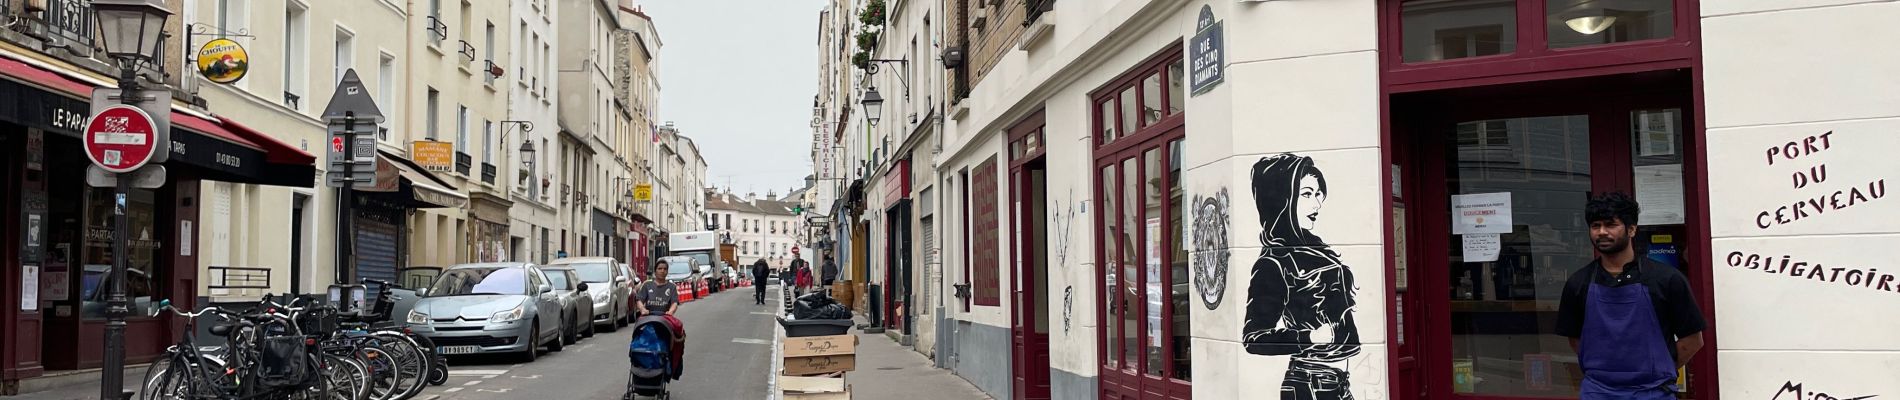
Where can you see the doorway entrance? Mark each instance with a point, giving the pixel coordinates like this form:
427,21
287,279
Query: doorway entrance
1029,297
1484,324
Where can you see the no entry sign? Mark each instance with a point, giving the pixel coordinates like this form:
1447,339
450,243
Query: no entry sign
120,138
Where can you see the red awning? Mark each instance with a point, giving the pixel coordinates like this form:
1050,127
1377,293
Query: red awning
225,129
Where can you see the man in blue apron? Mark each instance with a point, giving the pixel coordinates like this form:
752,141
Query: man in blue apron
1632,321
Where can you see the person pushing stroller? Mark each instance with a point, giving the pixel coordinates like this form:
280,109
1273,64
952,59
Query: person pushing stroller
658,349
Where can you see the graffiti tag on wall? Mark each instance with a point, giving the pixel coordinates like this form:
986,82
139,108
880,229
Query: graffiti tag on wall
1300,297
1795,391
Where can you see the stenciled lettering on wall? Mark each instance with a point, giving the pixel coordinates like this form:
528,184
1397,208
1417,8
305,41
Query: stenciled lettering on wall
1813,175
1300,298
1795,391
1210,247
1862,277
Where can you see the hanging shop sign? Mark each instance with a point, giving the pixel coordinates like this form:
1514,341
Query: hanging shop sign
643,192
223,61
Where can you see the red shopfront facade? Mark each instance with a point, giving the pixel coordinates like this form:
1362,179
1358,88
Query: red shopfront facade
58,232
1550,101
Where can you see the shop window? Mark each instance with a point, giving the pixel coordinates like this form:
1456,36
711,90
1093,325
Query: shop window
1452,29
1573,23
143,275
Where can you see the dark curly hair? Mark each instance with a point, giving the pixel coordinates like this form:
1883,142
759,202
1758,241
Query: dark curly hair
1613,205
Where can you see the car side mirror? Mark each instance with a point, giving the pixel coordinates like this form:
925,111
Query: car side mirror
544,288
422,292
582,287
620,279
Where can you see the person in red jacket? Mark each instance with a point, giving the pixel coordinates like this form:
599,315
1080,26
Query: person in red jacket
803,271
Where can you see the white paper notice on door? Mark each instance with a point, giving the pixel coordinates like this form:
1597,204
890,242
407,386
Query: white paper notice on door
1482,247
1481,213
1659,190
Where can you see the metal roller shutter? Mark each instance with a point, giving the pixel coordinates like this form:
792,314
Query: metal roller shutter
375,251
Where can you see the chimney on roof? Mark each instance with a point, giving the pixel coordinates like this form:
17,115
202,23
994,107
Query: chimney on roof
771,195
749,197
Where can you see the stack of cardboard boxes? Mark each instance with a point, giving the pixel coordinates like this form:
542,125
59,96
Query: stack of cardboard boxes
815,367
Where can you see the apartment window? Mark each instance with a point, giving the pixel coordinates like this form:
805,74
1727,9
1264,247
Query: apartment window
386,91
434,113
296,55
524,49
488,49
345,54
435,17
488,142
468,18
547,65
461,129
728,221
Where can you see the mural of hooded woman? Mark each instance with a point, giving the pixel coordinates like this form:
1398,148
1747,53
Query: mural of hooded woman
1300,296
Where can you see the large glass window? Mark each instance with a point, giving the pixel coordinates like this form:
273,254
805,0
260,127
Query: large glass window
1504,300
1572,23
1178,266
1112,304
143,274
1436,30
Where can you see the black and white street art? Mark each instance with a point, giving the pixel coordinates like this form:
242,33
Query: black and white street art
1300,297
1210,247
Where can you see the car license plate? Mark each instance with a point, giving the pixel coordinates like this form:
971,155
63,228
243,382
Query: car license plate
458,349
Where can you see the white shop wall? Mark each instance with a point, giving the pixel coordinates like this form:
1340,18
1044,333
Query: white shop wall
1794,331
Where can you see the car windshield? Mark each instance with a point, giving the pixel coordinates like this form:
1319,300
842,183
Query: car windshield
474,281
678,268
558,279
595,273
700,258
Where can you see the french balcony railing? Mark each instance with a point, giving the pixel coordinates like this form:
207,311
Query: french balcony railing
463,163
488,173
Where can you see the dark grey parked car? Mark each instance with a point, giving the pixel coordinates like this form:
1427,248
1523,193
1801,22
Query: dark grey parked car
579,306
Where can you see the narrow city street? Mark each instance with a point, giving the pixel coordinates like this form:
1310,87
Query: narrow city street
728,355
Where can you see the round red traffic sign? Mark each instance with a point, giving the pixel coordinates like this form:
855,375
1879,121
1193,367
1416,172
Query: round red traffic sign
120,138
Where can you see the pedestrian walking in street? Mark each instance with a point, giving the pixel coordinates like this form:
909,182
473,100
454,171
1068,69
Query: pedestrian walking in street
760,272
660,297
1632,321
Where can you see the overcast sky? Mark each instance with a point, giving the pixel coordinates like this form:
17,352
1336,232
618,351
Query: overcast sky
738,77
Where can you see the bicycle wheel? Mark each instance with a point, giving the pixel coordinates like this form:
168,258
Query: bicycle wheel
345,378
178,376
410,361
380,372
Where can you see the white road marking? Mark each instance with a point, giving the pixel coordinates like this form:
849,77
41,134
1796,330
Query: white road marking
526,377
473,372
452,390
751,341
472,383
501,390
763,313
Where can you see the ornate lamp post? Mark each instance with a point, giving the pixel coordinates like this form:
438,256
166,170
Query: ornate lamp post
133,32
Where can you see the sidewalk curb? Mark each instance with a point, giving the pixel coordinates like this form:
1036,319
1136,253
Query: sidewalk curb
778,344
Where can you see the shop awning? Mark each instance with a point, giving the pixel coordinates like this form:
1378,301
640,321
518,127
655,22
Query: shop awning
417,186
215,148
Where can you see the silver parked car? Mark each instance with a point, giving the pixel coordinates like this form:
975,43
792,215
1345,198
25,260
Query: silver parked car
608,286
489,308
577,305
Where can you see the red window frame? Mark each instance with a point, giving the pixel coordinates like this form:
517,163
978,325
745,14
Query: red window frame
1127,377
1533,59
986,286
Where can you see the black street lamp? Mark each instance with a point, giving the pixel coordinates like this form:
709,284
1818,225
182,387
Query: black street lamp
527,154
131,31
873,106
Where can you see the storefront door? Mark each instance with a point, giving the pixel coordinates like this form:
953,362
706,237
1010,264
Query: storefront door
1029,273
1529,156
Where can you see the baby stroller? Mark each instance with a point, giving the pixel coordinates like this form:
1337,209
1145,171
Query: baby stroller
655,352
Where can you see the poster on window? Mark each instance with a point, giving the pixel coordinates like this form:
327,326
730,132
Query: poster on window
1481,213
1659,190
30,288
1154,282
1656,134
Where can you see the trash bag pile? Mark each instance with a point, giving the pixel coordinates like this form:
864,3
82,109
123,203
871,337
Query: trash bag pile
818,306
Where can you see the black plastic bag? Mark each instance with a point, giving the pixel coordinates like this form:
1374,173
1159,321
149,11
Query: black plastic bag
818,306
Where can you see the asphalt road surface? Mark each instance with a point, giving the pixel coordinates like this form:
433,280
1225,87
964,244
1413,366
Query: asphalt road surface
728,353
